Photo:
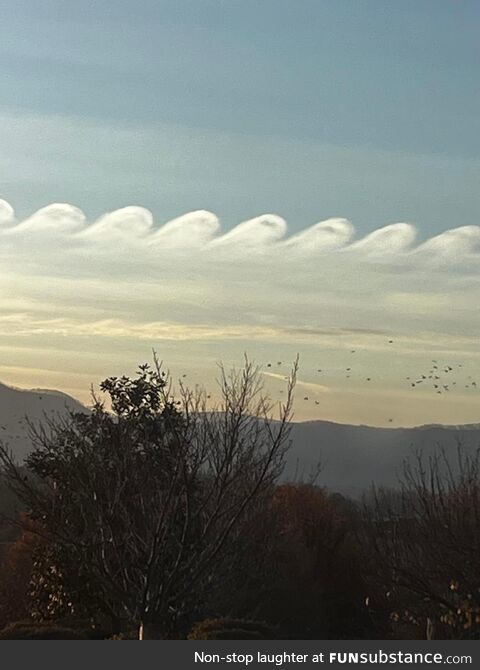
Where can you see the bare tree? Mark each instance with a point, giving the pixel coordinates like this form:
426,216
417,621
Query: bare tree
143,500
427,539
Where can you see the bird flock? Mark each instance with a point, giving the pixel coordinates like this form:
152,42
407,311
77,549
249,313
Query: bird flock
437,376
439,373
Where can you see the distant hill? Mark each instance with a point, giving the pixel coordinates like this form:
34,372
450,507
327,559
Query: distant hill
36,404
352,457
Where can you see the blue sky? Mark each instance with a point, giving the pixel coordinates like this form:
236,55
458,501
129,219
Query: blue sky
367,110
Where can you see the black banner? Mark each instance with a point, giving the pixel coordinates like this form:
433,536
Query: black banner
249,655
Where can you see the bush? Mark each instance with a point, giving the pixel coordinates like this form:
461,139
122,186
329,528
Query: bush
231,629
35,631
125,635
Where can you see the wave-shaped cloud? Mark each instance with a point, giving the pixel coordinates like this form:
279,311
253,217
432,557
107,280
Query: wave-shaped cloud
124,267
134,227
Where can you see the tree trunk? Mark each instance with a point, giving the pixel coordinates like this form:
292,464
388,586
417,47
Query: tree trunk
150,631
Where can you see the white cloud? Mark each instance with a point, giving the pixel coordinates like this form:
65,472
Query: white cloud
201,230
396,238
6,212
125,266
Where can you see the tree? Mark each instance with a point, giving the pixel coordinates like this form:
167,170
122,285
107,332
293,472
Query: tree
143,501
302,568
427,541
320,562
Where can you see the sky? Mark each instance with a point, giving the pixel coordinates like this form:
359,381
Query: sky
247,124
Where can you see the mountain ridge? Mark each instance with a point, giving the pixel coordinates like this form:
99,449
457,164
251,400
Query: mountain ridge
352,456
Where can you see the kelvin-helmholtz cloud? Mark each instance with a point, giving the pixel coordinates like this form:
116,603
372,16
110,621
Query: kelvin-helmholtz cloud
126,275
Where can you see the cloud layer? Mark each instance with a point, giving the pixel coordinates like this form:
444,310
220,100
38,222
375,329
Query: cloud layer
78,295
190,274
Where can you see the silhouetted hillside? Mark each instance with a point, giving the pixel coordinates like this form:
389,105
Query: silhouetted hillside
36,404
352,457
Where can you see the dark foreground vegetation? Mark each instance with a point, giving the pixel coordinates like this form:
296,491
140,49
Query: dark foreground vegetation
154,516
